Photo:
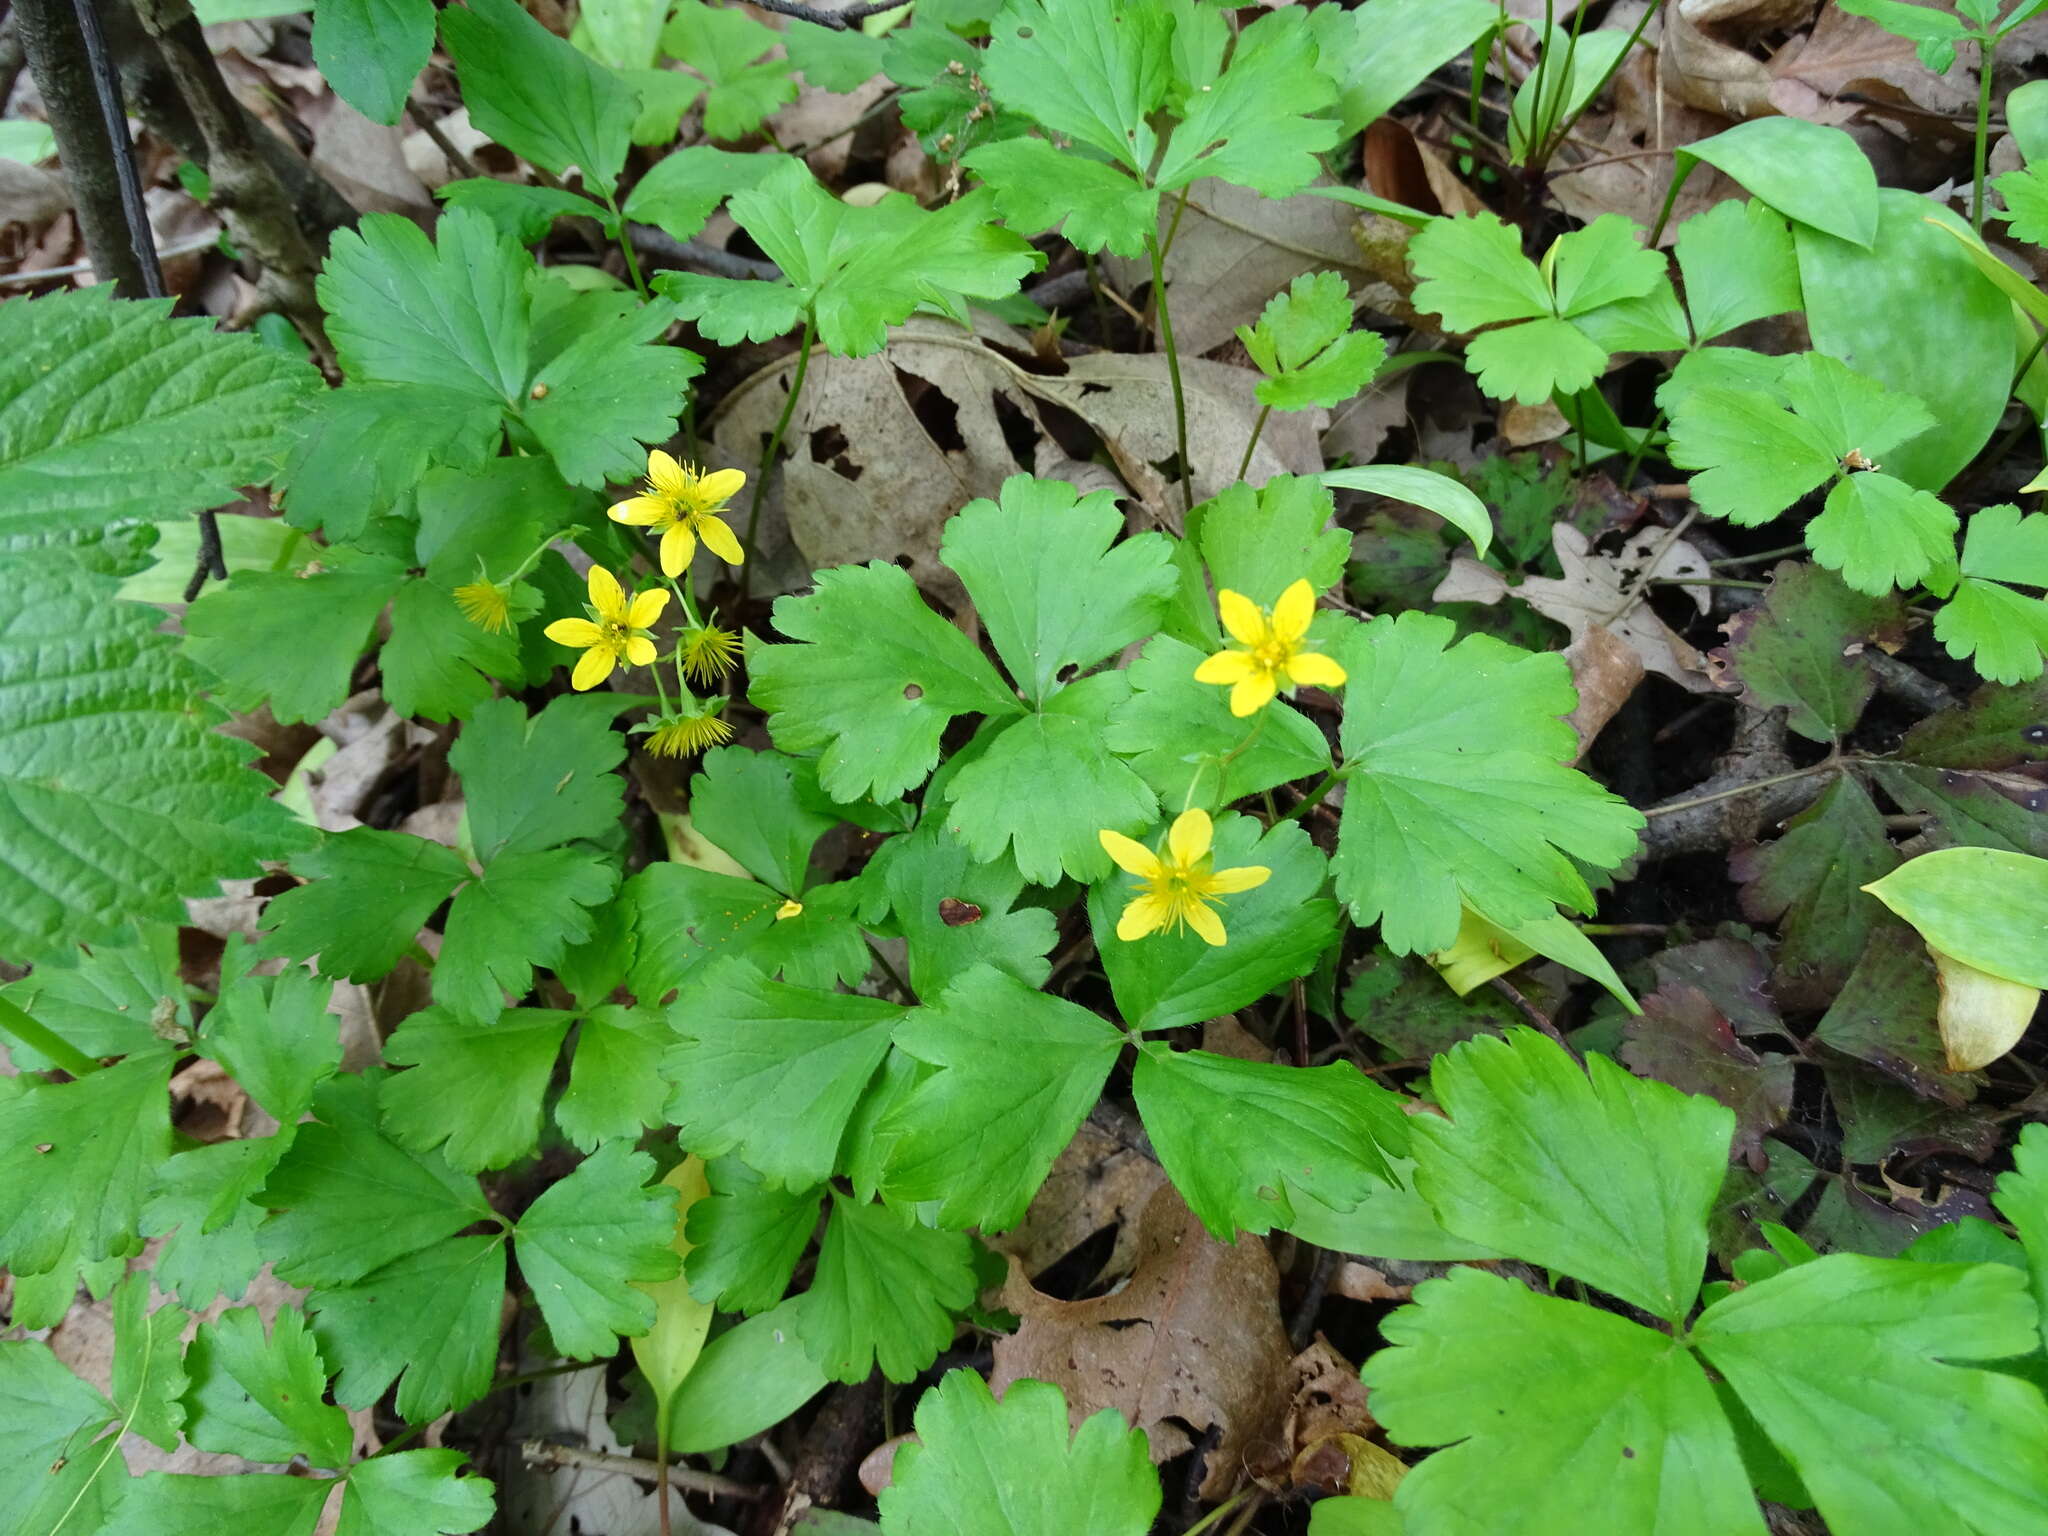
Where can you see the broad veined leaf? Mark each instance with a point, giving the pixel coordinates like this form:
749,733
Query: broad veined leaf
541,781
685,916
1236,1136
437,664
1010,1468
366,446
1457,794
746,1238
428,1321
749,1379
1605,1176
754,807
104,1003
1277,931
772,1071
588,1244
874,679
276,1037
371,51
685,187
1805,648
1563,1417
1378,53
1982,906
1087,71
885,1292
1018,1070
414,1493
50,1418
1093,204
524,911
615,1087
1055,596
1814,174
148,1373
2006,631
1259,543
597,403
1880,533
290,639
728,48
193,1504
1739,266
474,1089
369,895
2022,1199
956,912
1253,124
263,1398
526,213
536,94
199,1205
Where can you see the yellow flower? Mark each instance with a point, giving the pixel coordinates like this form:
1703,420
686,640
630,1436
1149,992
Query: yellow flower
685,735
708,652
1273,652
1176,888
789,909
682,505
615,632
486,605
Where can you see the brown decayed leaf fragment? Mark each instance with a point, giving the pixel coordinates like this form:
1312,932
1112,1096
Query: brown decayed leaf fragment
1193,1342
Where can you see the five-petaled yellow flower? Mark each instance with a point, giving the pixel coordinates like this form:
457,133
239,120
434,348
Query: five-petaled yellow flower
615,632
1176,887
682,506
1273,654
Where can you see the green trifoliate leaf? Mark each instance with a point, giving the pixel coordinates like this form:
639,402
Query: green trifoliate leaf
525,911
772,1071
729,49
1017,1072
1182,738
1881,533
1529,1134
263,1398
428,1321
449,314
76,1161
831,59
188,1504
873,682
684,917
287,638
2025,194
371,51
1474,273
347,1200
1847,1351
1297,324
857,270
615,1087
598,402
50,1418
118,798
586,1241
524,213
1044,786
1039,187
1009,1469
366,446
437,664
199,1206
885,1292
1030,65
1236,1137
148,1370
474,1089
686,186
1055,597
537,95
370,893
1805,648
1531,362
1557,1416
1277,931
1603,263
955,911
1739,266
277,1039
1457,795
746,1237
761,808
105,1002
1259,543
414,1493
542,781
1253,125
180,418
2006,631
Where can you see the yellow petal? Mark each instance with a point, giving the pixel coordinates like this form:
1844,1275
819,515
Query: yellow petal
1145,915
1130,855
1226,667
640,651
592,668
1206,923
1241,617
580,633
1228,882
641,511
606,595
720,485
645,609
665,474
677,546
1291,615
1190,837
715,533
1253,694
1315,670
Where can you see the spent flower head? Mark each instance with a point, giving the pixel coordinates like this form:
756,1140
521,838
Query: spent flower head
1176,887
682,504
694,728
707,652
485,604
615,632
1271,651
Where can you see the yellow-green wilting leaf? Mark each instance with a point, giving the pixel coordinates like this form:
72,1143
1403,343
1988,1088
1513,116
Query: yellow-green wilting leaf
1482,952
668,1351
1982,1016
1986,907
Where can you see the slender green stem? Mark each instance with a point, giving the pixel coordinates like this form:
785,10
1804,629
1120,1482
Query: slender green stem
1621,58
1635,459
2026,363
1757,559
1180,400
661,1462
39,1037
1987,49
1216,1515
796,388
1314,797
626,248
1530,135
1258,426
1832,765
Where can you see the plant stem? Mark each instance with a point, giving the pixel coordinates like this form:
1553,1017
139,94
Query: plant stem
1216,1515
39,1037
661,1463
1613,69
1180,402
1757,559
1257,427
625,245
1987,54
1635,459
1673,807
1313,798
796,388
